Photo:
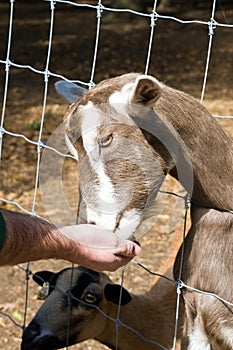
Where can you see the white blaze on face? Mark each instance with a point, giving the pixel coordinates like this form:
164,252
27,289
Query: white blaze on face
129,223
89,130
105,213
108,205
90,123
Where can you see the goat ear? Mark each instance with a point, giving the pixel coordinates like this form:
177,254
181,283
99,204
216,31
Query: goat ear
42,276
112,293
147,91
70,91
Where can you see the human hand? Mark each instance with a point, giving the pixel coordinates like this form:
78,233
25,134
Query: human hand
99,249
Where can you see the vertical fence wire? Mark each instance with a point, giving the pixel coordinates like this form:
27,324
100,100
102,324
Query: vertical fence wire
99,15
46,82
27,274
212,26
152,25
69,309
7,70
91,84
119,309
178,285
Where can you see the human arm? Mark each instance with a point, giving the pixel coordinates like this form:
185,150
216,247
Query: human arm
30,238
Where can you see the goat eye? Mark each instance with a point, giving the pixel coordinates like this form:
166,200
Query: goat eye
90,298
106,141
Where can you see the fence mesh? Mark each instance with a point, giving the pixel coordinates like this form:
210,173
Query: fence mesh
100,20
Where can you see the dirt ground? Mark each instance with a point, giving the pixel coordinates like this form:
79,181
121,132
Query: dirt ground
178,59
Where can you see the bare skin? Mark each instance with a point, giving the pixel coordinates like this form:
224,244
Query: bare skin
30,238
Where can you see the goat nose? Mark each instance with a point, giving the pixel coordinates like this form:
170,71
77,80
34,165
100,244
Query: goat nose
31,332
92,223
37,338
33,338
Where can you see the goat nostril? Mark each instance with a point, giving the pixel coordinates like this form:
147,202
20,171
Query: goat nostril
92,223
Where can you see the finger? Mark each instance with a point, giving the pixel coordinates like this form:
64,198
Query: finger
119,262
128,250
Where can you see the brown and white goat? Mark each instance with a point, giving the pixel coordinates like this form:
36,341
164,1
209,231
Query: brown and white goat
128,133
151,314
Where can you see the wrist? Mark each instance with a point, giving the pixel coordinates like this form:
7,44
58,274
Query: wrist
66,248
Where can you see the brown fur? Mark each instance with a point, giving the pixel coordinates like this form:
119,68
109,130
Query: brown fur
209,146
208,246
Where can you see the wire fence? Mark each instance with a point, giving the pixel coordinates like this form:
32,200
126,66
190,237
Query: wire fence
8,64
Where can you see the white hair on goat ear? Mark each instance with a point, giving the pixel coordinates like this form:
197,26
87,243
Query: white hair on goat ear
146,90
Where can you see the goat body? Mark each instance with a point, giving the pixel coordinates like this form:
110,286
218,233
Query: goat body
208,267
129,132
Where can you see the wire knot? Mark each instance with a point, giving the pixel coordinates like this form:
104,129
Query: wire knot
52,4
28,273
212,25
91,84
32,213
99,10
39,146
179,286
7,66
186,201
153,19
118,322
2,131
46,76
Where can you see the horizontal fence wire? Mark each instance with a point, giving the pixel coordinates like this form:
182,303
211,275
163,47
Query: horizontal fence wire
153,17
